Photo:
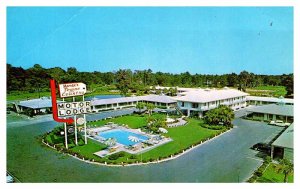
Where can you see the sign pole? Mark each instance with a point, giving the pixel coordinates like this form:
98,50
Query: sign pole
66,134
84,117
75,124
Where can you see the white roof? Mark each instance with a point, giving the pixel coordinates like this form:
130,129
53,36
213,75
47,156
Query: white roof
286,139
150,98
270,99
284,110
43,102
208,95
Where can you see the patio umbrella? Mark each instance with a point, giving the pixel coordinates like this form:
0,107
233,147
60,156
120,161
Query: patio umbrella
163,130
133,139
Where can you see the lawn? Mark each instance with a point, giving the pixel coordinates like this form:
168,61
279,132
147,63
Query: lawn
271,175
87,150
23,95
183,137
133,121
275,91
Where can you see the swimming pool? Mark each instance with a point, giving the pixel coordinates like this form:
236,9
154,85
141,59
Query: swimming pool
122,136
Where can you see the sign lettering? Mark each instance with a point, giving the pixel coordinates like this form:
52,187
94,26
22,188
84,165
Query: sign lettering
71,89
74,108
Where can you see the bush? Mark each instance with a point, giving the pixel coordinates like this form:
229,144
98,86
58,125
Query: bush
132,157
113,156
213,127
116,156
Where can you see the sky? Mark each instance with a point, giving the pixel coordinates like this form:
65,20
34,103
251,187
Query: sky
203,40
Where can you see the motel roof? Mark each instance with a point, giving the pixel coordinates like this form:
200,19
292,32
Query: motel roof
270,99
43,102
209,95
150,98
286,139
284,110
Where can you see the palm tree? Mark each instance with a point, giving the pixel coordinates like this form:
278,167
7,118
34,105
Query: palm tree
285,167
150,107
140,105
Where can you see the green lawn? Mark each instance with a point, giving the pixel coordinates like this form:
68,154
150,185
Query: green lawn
271,175
133,121
23,95
275,91
183,137
87,150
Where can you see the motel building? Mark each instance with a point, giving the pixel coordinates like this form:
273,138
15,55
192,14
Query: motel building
199,101
259,101
160,101
272,112
37,106
283,146
190,101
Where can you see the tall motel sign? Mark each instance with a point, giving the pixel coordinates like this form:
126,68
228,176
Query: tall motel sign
71,113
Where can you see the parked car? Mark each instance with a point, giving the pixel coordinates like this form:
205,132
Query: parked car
279,123
262,147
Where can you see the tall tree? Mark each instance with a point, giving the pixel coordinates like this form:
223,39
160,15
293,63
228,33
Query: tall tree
123,78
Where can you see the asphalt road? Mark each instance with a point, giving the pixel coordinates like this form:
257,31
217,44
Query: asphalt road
227,158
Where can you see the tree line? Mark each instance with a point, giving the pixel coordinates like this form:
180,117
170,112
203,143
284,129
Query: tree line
137,81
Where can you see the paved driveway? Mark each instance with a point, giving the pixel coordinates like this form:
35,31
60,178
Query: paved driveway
227,158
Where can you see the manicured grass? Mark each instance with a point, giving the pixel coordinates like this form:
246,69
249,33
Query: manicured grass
183,138
23,95
275,91
271,175
133,121
89,149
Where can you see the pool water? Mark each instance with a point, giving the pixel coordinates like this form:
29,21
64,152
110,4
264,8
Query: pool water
122,136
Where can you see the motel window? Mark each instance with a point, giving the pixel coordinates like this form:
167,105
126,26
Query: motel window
182,104
195,105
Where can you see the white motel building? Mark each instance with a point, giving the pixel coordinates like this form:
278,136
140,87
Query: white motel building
198,101
190,101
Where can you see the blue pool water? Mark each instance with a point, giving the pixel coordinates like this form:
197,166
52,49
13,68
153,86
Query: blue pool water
122,136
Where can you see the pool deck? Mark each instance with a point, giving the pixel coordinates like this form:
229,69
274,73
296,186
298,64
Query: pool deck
118,147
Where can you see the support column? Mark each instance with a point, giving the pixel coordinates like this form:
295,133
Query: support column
75,125
66,132
272,151
188,112
84,117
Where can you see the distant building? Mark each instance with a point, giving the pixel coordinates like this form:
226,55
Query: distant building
258,100
36,106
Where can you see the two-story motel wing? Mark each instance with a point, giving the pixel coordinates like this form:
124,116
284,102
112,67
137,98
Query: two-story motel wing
198,101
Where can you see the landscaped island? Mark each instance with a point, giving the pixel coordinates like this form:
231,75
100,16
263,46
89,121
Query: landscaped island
178,139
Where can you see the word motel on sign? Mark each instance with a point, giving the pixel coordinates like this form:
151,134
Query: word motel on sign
74,108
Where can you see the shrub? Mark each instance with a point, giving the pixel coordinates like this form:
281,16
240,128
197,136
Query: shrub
113,156
132,157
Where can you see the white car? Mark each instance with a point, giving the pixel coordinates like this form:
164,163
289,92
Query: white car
279,123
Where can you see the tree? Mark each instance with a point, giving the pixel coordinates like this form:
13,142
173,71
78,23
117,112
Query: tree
223,114
150,107
140,105
244,78
285,167
288,82
123,78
